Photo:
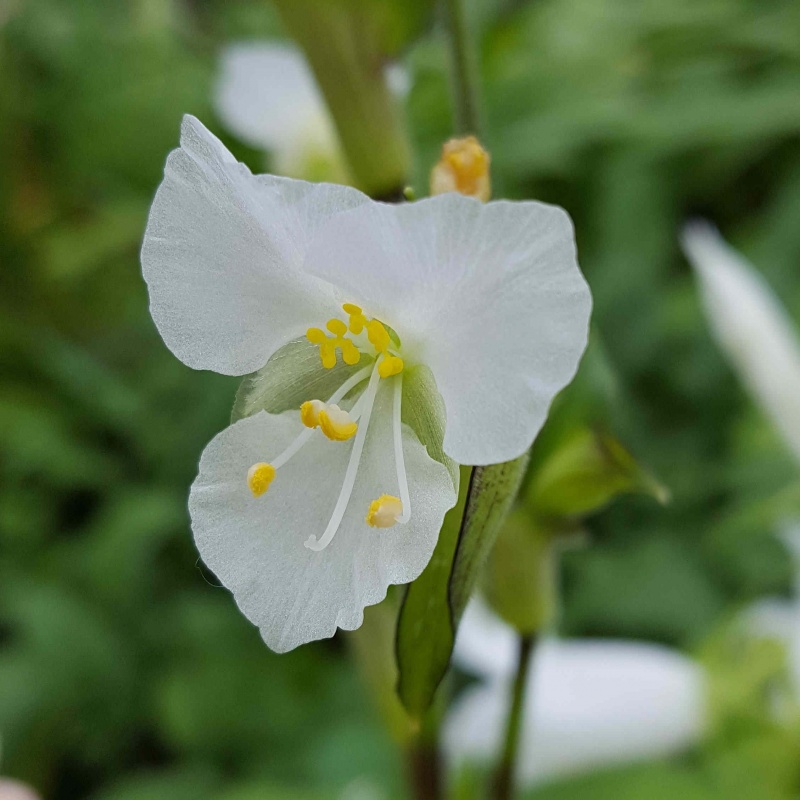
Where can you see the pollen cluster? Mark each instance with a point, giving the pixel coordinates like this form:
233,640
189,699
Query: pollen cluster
334,422
377,335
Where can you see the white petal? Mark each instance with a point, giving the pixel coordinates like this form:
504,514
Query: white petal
485,645
590,703
267,96
222,255
489,296
255,545
751,326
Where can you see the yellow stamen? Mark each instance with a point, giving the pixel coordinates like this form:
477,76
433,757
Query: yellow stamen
315,336
336,327
378,335
350,353
336,424
391,365
357,318
384,511
351,308
259,477
309,412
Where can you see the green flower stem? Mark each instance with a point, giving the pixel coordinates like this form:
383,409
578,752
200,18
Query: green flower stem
342,49
424,759
464,70
503,787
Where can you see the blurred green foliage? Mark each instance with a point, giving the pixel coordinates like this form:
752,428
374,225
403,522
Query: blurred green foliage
125,672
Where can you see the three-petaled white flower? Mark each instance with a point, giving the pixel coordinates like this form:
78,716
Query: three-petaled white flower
443,309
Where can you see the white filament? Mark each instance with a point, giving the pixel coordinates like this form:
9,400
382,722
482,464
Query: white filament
312,543
301,440
399,457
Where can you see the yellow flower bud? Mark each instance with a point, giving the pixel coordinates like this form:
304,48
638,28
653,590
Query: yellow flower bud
463,168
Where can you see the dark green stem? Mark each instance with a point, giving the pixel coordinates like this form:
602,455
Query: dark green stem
503,787
424,769
464,70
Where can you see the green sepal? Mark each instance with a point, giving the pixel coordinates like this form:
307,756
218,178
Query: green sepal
423,410
292,375
584,473
434,603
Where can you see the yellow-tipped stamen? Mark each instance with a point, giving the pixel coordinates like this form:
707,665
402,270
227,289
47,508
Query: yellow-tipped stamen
384,512
463,168
309,412
378,336
259,477
390,365
337,424
357,320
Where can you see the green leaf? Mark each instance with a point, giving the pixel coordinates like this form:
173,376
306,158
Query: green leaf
584,474
435,601
293,375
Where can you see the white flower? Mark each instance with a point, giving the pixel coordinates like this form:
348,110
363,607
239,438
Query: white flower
588,703
751,326
266,94
444,308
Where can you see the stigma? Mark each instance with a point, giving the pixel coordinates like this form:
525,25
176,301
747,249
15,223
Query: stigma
384,512
259,477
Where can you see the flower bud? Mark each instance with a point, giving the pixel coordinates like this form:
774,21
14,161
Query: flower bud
463,168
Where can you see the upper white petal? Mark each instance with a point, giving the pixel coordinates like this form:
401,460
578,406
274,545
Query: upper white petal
489,296
589,703
267,96
222,256
751,326
255,545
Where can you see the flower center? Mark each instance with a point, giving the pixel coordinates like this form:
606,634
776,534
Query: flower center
352,339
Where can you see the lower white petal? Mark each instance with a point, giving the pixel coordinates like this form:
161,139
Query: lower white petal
588,704
256,545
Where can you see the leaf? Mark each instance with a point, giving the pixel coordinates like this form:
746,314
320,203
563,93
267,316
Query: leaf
291,376
584,474
435,601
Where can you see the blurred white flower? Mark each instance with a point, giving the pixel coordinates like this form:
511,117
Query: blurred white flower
589,703
266,95
14,790
750,325
479,310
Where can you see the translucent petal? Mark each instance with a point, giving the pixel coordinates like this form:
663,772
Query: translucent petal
589,703
267,96
488,295
255,546
222,255
751,326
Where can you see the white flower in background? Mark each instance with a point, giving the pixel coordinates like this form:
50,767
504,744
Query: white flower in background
447,308
14,790
267,96
751,326
588,703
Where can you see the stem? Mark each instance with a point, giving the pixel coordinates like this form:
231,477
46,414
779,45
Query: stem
424,768
464,70
343,49
506,769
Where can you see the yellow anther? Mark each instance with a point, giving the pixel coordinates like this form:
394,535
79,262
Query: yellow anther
315,336
327,351
463,168
337,424
391,365
336,327
378,336
351,308
384,511
350,353
259,477
309,412
357,318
